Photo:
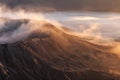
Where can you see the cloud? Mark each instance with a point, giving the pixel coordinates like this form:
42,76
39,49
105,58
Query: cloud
21,24
86,18
80,5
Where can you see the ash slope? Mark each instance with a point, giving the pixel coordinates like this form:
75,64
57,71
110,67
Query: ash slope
58,56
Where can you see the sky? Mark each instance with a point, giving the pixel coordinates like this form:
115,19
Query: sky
61,5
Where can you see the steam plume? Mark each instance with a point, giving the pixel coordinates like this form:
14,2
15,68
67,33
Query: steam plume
18,25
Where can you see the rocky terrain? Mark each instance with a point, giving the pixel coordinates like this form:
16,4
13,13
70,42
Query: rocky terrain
57,56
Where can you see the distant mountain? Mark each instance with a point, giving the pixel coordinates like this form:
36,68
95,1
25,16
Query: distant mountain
76,5
58,56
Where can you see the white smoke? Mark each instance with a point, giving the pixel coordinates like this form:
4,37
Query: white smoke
21,32
25,24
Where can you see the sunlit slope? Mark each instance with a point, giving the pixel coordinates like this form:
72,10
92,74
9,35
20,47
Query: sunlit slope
57,56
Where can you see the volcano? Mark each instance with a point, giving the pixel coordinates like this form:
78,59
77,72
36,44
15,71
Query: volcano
56,55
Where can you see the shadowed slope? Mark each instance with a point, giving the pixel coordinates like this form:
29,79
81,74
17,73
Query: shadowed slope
57,56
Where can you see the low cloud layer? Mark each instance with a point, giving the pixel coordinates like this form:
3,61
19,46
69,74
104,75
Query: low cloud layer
11,21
